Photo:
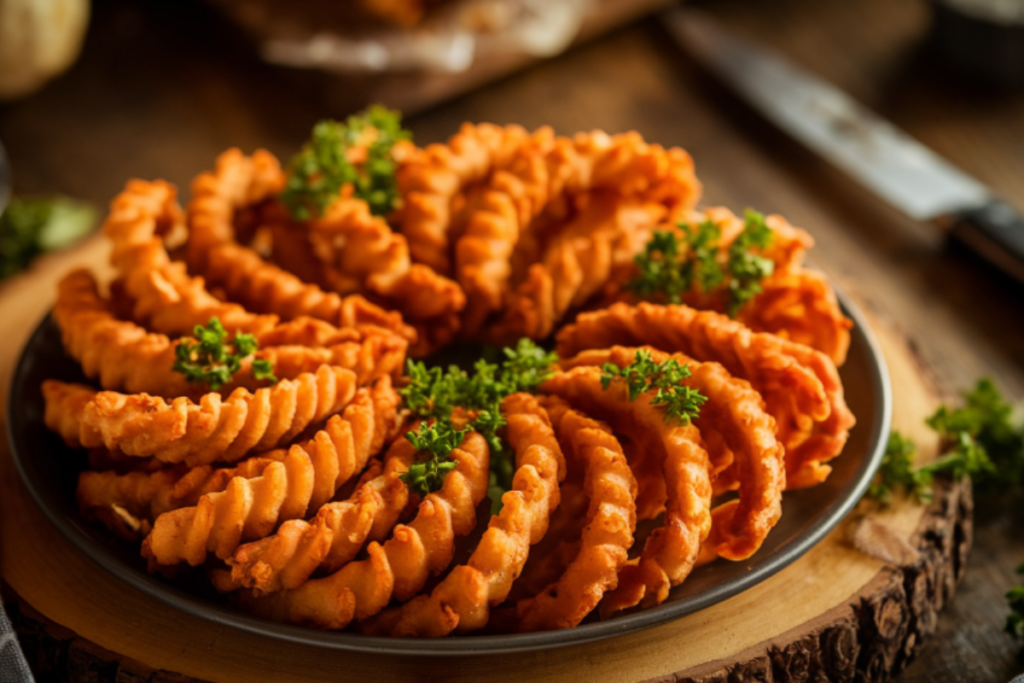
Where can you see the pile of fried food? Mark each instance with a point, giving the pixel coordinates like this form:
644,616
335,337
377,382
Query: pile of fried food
260,415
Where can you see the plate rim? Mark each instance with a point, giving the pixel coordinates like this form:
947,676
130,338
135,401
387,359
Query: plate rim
174,597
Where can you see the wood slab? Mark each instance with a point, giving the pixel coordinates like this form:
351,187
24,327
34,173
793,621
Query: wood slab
856,606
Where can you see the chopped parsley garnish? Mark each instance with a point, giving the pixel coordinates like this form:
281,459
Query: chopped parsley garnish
433,394
356,152
681,403
211,360
672,265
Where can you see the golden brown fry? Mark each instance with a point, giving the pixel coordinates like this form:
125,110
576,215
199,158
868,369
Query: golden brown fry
607,536
249,509
671,550
463,600
800,386
402,565
739,436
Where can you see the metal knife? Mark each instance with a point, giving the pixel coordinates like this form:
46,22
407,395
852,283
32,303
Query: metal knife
885,159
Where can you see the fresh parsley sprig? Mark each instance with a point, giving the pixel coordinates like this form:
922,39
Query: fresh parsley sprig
897,471
434,394
673,264
211,360
438,439
1015,620
32,225
357,152
681,403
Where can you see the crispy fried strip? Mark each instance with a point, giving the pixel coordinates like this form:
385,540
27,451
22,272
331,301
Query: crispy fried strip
463,600
679,452
739,435
402,565
250,508
801,386
431,180
214,429
609,524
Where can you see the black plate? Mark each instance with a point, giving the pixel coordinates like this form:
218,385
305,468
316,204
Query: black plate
50,470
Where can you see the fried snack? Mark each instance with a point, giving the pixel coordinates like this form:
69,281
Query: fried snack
609,524
463,600
402,565
800,386
577,263
237,181
802,307
332,538
362,254
212,430
249,509
739,436
165,296
263,287
678,452
432,182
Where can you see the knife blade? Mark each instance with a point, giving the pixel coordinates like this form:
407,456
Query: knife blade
879,155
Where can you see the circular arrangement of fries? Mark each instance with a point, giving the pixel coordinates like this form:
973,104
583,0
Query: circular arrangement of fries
258,417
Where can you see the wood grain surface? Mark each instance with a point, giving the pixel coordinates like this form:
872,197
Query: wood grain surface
163,87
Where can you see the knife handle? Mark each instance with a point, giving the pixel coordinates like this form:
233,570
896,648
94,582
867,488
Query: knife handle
996,231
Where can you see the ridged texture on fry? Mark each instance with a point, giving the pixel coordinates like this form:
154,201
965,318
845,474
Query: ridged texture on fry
800,386
678,452
249,509
399,567
235,182
739,435
214,429
609,524
165,296
433,178
463,600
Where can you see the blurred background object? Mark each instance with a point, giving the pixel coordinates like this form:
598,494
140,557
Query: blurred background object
981,40
38,40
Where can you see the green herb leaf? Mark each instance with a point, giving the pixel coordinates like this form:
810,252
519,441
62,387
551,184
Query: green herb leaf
1015,620
31,226
746,267
897,471
210,359
323,165
682,403
435,440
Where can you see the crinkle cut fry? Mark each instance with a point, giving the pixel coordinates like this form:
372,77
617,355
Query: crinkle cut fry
332,538
235,182
433,177
671,550
579,261
400,566
165,296
462,601
739,435
214,429
801,386
249,509
263,287
609,524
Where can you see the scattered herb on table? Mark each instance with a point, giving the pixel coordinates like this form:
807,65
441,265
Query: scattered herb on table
1015,621
435,395
212,360
357,152
675,263
33,225
681,403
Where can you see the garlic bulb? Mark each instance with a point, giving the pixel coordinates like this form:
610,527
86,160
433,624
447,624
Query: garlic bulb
38,40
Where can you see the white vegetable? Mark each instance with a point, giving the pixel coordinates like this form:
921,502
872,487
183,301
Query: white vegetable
38,40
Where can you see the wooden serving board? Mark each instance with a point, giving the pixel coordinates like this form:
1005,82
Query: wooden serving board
856,606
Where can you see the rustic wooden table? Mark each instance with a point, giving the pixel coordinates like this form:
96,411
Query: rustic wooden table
163,87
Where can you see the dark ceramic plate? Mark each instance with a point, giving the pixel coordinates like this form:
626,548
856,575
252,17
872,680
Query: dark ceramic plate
49,470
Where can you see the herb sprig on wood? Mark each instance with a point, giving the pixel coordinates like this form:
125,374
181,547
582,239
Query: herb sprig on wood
212,360
442,397
674,264
33,225
681,403
356,152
